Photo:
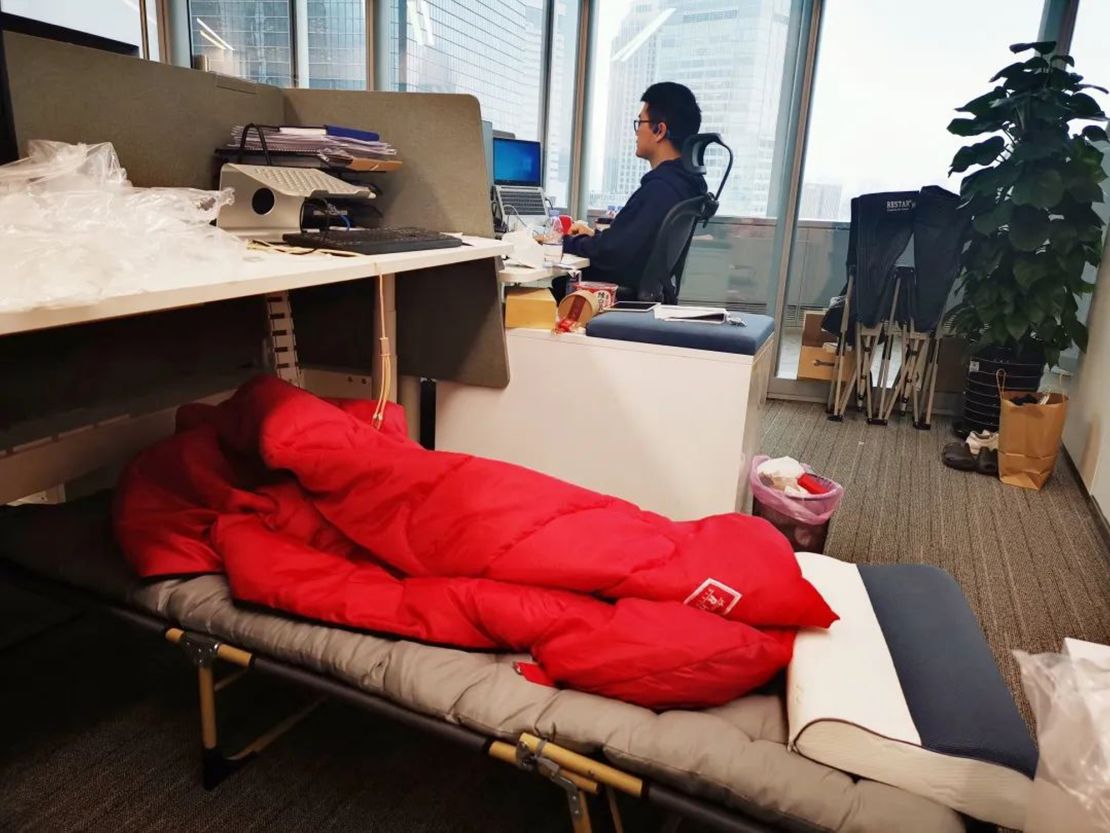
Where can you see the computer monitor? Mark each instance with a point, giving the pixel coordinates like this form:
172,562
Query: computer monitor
516,162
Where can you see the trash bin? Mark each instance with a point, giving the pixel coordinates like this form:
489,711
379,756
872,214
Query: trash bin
803,519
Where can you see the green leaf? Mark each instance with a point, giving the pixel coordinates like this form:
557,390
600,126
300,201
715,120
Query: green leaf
980,153
1066,59
1084,190
1085,107
1062,235
1028,269
1042,46
1095,133
969,127
1012,69
1016,325
1078,333
992,220
1091,86
983,105
1043,189
1029,228
1072,263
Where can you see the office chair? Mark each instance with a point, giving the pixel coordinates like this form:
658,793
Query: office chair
662,277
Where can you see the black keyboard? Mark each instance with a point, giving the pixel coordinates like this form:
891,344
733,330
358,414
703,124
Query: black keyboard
374,241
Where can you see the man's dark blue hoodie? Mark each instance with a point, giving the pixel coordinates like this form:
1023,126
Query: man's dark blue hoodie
620,253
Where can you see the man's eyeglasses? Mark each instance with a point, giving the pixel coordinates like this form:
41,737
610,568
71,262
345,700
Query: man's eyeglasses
637,122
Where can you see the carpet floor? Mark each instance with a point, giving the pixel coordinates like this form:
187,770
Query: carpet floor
1033,564
100,729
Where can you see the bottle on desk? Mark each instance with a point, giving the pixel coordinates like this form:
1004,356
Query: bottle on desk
553,242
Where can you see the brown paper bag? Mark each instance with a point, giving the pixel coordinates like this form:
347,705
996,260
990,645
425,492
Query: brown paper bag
1029,438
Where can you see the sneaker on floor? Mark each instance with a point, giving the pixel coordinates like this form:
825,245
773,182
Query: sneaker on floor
958,456
978,440
986,462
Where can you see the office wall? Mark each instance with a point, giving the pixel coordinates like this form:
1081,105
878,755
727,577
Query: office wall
1087,432
443,184
163,120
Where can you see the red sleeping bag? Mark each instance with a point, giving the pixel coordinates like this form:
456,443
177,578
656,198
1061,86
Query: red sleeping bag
309,509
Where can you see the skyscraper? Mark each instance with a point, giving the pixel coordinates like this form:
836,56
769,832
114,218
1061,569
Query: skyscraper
254,39
246,38
492,49
731,55
337,44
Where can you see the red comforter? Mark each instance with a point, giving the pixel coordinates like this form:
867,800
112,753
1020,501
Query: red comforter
309,509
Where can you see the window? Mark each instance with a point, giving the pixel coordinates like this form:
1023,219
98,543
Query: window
249,39
310,43
119,20
491,49
560,121
887,86
885,89
732,55
1088,46
336,45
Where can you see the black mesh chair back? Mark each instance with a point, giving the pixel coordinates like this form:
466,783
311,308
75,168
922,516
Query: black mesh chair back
662,277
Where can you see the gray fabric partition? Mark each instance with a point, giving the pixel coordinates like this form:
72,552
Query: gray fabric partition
165,122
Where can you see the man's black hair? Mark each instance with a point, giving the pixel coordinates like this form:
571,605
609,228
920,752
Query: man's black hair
676,106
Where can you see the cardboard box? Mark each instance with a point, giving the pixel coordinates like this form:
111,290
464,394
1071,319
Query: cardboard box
817,363
529,308
814,361
812,334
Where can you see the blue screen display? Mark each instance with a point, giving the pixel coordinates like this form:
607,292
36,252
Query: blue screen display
516,162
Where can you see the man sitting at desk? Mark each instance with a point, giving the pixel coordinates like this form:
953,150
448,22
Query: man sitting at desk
669,115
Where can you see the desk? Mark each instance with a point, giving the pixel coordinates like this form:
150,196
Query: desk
262,273
60,455
524,275
670,429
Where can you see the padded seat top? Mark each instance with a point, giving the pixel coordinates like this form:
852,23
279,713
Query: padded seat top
722,338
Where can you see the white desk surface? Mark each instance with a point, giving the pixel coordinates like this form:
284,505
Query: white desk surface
525,274
263,272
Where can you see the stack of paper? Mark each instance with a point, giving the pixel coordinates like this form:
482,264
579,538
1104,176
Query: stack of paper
333,144
664,312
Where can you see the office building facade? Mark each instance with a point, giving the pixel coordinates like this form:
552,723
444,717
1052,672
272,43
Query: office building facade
731,55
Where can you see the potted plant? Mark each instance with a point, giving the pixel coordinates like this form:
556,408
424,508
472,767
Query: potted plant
1032,230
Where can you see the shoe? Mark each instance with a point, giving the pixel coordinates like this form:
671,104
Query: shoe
978,440
987,462
958,456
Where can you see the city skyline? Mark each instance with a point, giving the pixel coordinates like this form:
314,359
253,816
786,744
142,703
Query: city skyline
739,92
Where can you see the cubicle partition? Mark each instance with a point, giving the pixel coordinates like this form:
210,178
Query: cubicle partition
165,123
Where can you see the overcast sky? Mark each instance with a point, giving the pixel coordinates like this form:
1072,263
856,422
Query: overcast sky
889,77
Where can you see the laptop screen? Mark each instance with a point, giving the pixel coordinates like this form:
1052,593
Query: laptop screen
516,162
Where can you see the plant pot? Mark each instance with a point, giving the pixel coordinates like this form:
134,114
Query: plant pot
981,401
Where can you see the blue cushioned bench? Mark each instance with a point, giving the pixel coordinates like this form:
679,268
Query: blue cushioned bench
744,340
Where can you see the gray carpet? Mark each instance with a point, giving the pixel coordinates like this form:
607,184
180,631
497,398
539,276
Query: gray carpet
1033,564
99,730
100,734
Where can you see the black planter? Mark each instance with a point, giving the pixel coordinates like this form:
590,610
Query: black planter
981,403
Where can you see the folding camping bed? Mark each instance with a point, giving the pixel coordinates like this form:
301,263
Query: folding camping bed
85,387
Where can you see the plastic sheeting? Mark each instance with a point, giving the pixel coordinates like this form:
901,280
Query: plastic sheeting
1070,698
73,230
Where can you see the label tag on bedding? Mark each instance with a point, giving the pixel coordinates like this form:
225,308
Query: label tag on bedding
714,596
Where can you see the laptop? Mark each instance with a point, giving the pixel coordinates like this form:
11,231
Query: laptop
518,183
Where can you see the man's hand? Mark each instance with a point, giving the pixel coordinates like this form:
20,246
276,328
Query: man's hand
578,227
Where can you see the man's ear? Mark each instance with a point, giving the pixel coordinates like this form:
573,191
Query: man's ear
660,130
